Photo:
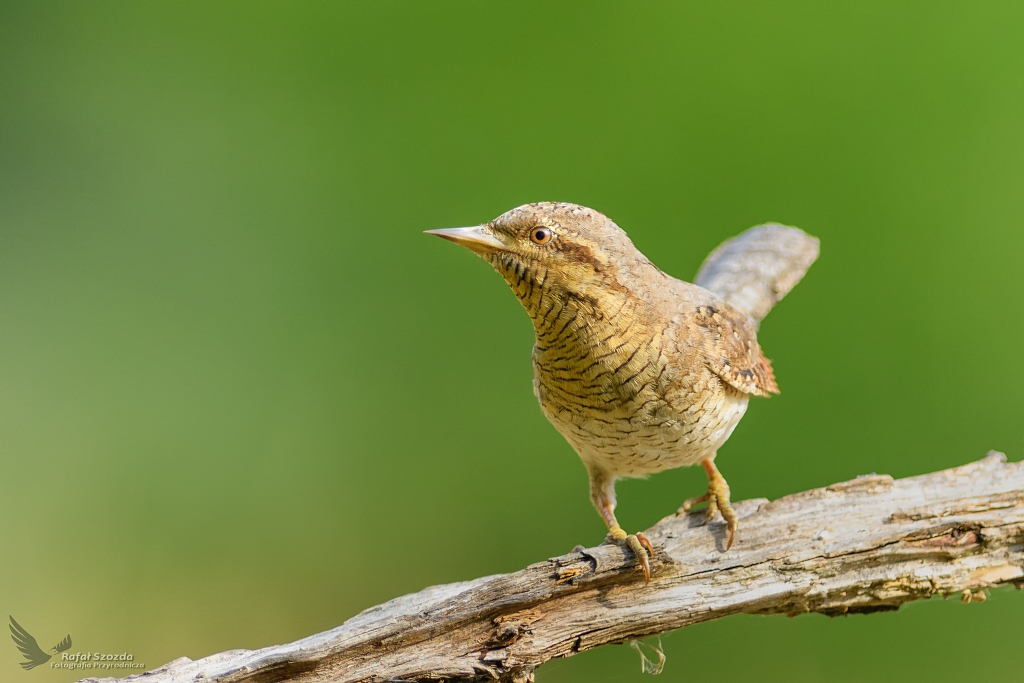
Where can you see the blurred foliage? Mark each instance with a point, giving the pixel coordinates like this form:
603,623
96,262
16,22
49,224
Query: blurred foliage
240,391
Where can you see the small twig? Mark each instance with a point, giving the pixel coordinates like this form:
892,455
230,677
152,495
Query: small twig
860,546
647,665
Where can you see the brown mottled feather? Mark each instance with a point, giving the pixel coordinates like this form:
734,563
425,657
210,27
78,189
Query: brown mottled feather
639,371
730,349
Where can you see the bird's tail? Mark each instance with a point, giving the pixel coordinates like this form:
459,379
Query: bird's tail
755,269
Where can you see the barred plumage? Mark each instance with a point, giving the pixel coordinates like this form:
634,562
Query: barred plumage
639,371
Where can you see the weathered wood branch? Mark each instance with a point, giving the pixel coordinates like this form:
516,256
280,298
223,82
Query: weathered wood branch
861,546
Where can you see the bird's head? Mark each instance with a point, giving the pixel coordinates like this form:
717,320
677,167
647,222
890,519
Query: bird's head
553,249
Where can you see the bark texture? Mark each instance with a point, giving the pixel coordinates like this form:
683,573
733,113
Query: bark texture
860,546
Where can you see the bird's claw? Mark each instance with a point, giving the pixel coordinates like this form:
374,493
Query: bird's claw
639,545
689,503
643,550
717,498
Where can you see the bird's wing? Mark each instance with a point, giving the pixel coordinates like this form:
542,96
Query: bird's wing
27,645
64,644
729,347
755,269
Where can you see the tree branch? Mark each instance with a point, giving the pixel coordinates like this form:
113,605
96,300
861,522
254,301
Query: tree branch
860,546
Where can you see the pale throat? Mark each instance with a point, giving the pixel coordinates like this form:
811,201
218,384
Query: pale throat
564,313
579,322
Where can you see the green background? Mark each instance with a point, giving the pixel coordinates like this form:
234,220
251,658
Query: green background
243,398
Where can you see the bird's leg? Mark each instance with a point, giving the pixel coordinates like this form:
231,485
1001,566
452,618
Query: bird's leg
717,499
602,494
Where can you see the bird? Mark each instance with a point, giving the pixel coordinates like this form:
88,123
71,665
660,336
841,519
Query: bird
639,371
29,648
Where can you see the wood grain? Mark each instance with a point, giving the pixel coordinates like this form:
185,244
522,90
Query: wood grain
859,546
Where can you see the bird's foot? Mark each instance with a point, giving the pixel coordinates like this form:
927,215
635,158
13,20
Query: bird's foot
717,499
638,543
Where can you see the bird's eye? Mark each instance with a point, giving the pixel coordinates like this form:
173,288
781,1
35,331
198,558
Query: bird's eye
540,235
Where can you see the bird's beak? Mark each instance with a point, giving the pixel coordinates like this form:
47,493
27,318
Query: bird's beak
479,238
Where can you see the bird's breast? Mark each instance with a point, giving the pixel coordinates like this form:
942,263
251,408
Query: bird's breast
629,399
